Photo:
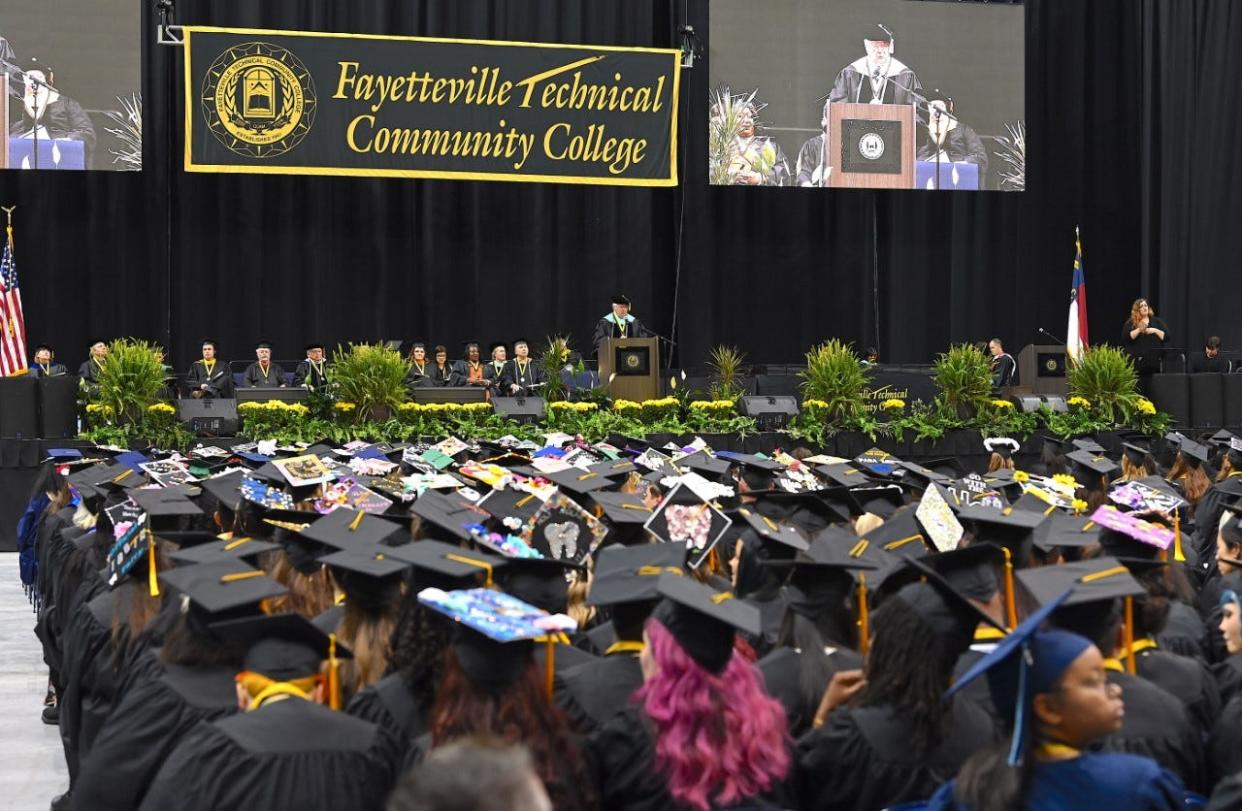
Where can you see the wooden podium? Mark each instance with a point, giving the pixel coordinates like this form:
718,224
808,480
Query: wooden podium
636,364
871,146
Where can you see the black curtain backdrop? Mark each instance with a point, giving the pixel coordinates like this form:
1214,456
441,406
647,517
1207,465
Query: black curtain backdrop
1132,112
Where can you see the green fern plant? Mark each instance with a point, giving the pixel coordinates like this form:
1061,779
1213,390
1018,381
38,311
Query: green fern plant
1105,376
371,377
726,364
834,377
552,361
129,380
964,377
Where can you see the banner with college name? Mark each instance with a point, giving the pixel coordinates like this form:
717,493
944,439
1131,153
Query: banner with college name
295,102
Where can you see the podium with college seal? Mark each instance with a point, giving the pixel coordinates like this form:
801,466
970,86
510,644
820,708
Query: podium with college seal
871,146
635,362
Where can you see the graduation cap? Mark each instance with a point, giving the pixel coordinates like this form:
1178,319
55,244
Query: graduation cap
446,518
1094,462
622,508
702,620
1066,532
684,518
948,613
630,574
113,476
949,466
344,528
575,480
1137,454
881,501
1089,445
222,587
164,502
768,530
219,551
923,474
1003,446
445,565
511,507
1220,438
369,576
621,299
264,495
705,464
900,535
562,530
282,647
1130,536
1008,528
842,475
810,510
1196,455
877,33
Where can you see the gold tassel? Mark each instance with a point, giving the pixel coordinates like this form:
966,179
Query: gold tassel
153,579
864,621
550,665
1177,538
334,675
1011,607
1128,637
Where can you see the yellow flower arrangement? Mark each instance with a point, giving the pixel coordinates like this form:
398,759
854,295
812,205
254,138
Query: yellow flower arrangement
345,407
443,408
1079,506
1002,404
1146,406
161,408
1066,479
98,408
1078,402
808,404
712,405
1021,476
625,405
565,405
893,404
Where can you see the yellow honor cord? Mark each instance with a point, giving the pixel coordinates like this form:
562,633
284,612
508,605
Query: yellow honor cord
261,688
1056,751
864,620
153,575
1177,538
900,542
550,666
334,675
1011,608
717,599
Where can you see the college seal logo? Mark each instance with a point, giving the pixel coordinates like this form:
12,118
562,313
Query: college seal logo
871,146
258,100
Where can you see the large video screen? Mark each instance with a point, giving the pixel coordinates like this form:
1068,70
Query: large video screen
881,94
74,76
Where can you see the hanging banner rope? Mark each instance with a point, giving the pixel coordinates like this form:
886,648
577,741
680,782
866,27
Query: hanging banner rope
294,102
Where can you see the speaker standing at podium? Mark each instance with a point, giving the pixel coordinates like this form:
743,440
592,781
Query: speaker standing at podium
876,78
618,324
56,115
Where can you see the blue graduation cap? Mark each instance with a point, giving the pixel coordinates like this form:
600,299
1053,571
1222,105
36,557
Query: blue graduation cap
131,460
1028,661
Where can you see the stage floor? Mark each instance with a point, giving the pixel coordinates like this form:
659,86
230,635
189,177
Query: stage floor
32,762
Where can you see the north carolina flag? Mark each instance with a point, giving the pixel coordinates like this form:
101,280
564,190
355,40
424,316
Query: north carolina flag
1076,332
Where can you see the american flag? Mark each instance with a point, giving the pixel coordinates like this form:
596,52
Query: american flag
12,321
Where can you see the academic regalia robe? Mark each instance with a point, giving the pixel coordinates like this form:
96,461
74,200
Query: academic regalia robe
63,118
1224,748
961,144
466,373
1156,725
154,714
89,371
89,679
976,691
311,375
596,639
1184,633
390,705
1207,521
565,658
622,754
780,670
219,381
1095,781
419,376
256,378
1228,675
53,369
1186,679
289,754
853,85
593,692
608,327
1200,364
1004,370
528,377
497,377
862,758
810,167
443,376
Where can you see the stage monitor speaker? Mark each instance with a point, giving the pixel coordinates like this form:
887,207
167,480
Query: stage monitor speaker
19,407
520,409
1171,393
58,407
210,416
772,412
1055,402
1233,400
1207,401
1028,402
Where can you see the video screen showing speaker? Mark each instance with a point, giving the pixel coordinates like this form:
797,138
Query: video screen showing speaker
75,78
879,94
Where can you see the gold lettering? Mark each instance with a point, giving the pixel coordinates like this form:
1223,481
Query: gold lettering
530,81
348,69
349,133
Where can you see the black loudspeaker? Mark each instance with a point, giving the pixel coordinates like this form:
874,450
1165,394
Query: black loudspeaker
771,412
520,409
209,416
19,407
1056,402
1233,400
1171,393
1207,401
58,407
1027,402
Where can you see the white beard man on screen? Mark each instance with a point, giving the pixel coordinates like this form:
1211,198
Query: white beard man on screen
878,77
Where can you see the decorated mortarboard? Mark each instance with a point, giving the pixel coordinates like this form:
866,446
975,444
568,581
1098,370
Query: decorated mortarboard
304,470
576,480
769,530
163,503
131,543
1150,493
446,517
222,586
973,490
702,620
705,464
685,518
282,647
217,551
1003,446
346,529
1130,535
900,534
1095,462
562,530
511,507
877,462
630,574
937,520
264,495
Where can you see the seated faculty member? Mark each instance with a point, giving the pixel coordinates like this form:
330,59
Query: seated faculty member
209,376
45,364
524,377
263,374
313,371
89,370
469,371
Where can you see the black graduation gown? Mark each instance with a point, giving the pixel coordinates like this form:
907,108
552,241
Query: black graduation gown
53,370
626,778
1228,675
1004,370
1227,796
1186,679
289,754
781,677
596,639
861,760
254,378
607,327
314,375
461,373
527,377
497,377
89,679
63,118
153,715
1147,350
219,381
390,705
416,379
566,657
1184,633
1225,743
977,691
1207,521
593,692
89,371
1157,726
443,377
961,144
1200,363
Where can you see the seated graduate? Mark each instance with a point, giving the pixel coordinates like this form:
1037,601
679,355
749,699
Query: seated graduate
419,375
54,115
618,324
442,373
209,376
285,749
263,374
89,370
45,364
496,372
469,370
951,136
312,372
1051,688
701,733
524,377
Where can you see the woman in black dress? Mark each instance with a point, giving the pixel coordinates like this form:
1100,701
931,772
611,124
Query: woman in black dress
1145,336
